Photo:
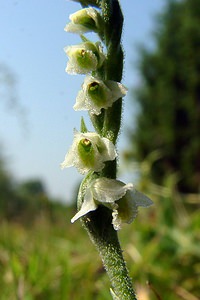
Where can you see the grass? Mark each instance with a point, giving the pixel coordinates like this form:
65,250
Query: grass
55,260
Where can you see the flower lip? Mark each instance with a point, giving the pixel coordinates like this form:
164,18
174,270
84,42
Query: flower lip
93,86
86,142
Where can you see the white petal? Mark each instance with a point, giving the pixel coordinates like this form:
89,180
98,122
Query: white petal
111,151
76,28
71,155
116,221
118,89
92,12
109,190
141,199
127,208
80,101
69,159
125,212
87,206
94,110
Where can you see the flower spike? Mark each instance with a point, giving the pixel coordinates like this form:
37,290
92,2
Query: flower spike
94,153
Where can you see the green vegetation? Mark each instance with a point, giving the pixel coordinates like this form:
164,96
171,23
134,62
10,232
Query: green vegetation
169,97
49,260
55,260
44,256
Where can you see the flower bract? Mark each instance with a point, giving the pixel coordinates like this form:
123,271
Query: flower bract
121,198
97,94
84,58
84,20
88,152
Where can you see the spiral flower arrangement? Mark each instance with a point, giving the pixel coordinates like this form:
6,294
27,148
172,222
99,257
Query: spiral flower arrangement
104,203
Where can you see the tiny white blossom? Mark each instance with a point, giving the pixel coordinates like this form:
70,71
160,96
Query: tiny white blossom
121,198
88,152
97,94
84,20
84,58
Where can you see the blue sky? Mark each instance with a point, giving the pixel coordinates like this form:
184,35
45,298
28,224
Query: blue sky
32,41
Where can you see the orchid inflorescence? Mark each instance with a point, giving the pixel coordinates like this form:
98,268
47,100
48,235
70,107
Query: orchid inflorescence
90,150
104,203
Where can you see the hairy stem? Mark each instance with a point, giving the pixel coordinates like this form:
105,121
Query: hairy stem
105,238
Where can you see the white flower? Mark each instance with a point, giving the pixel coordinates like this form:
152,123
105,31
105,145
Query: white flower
84,20
88,152
97,94
121,198
84,58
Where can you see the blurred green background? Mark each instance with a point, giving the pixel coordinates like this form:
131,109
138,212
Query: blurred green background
43,256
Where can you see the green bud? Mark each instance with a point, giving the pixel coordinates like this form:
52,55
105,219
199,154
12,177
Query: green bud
85,20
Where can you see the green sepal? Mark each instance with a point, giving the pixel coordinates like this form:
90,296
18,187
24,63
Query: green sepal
97,121
83,126
84,39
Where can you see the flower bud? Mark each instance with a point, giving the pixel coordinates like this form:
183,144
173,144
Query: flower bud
84,58
84,20
97,94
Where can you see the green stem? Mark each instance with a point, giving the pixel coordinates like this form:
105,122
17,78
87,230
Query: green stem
113,20
100,229
99,226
